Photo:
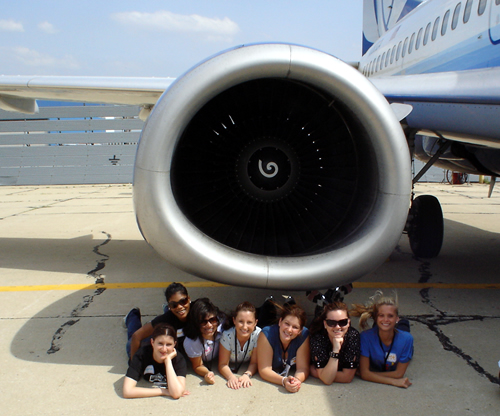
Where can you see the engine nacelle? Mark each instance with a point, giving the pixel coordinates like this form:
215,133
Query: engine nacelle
273,166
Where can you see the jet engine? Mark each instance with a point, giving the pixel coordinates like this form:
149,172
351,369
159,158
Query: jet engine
273,166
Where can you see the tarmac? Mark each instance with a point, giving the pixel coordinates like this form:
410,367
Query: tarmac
73,263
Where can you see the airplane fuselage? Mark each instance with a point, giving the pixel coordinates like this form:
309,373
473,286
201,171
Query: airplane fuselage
438,36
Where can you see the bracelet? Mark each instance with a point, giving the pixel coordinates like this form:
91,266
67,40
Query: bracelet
283,381
334,355
248,373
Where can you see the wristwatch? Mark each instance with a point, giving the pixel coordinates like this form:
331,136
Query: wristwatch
334,355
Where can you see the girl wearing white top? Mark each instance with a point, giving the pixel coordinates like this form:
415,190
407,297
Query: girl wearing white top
238,346
203,334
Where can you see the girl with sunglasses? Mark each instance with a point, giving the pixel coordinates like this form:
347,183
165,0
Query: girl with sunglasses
282,347
238,345
203,334
385,350
177,316
335,345
159,364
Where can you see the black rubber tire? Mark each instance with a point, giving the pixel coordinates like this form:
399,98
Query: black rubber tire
426,227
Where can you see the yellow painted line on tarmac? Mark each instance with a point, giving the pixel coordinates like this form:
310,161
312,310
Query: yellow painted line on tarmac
147,285
136,285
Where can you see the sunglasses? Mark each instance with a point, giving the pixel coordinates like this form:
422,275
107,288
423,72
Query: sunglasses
174,305
332,322
213,321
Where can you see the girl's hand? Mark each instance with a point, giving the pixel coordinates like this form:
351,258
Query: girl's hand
233,383
245,381
210,377
172,355
402,382
292,384
337,343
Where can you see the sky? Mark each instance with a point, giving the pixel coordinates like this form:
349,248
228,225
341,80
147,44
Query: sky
163,38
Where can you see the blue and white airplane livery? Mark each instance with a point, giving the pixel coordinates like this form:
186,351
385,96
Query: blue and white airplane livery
280,166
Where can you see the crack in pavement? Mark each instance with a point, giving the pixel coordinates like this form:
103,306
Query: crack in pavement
433,322
87,299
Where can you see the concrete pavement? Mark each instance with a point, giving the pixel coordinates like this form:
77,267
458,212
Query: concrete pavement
72,263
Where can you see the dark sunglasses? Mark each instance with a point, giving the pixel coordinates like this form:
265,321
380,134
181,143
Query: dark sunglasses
332,322
173,305
214,321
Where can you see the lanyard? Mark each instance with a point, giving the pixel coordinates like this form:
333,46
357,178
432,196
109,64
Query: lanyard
286,364
236,348
207,363
388,352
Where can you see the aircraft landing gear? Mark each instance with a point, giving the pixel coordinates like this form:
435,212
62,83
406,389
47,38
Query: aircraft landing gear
425,226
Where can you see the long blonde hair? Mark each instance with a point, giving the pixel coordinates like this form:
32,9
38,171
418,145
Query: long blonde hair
370,309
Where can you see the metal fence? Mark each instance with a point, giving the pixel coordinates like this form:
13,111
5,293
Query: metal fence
81,144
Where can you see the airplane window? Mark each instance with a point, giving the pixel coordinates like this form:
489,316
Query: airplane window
377,65
481,7
445,22
456,14
393,53
435,28
387,58
497,2
426,34
404,47
468,8
412,41
382,61
398,53
419,38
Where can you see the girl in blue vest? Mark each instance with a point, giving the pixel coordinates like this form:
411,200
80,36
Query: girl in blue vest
284,347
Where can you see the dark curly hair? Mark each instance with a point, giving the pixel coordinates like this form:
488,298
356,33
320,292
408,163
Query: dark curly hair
200,309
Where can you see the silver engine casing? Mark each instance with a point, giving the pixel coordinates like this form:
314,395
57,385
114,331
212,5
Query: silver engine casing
373,217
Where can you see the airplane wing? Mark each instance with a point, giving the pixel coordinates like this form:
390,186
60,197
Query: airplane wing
19,93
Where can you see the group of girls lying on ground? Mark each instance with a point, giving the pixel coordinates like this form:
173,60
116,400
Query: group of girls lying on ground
331,350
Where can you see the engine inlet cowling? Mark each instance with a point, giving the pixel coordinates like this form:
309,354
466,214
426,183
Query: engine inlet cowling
273,166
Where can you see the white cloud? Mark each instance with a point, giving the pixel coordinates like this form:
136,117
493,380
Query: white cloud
11,26
32,58
47,27
164,21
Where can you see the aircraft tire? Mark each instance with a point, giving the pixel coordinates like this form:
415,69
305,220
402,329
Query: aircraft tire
427,227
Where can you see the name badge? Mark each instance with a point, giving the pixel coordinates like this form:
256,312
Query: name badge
392,358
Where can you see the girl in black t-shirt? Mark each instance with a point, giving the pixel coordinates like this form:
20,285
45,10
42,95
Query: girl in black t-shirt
335,345
159,364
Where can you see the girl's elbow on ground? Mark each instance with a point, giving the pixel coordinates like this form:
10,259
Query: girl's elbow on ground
127,394
327,383
364,374
176,396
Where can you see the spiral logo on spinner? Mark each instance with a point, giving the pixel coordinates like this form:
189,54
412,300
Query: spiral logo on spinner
271,166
